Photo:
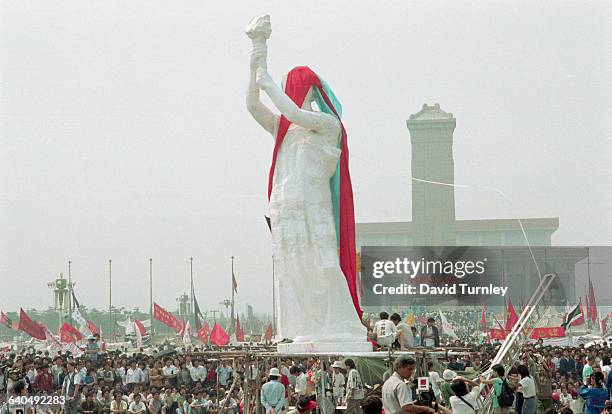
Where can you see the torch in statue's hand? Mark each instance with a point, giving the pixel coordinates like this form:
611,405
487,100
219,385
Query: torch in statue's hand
259,30
259,27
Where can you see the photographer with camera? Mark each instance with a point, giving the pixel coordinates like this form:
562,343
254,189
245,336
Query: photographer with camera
464,401
397,395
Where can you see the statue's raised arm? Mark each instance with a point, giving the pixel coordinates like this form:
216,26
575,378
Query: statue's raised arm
259,31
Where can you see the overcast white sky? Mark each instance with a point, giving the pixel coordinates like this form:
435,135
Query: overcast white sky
124,132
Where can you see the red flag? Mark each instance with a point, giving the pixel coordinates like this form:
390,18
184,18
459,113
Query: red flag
69,333
234,283
167,318
239,330
268,334
218,336
592,304
512,317
140,327
30,327
93,327
203,332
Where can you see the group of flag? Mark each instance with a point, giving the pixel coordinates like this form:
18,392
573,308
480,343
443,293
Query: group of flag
217,335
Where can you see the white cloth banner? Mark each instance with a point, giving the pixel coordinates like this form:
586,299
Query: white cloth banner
138,337
129,326
76,314
187,334
446,327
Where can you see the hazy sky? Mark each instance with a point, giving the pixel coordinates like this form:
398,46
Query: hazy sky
124,131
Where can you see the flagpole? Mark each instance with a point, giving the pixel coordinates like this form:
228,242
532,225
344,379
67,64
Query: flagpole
71,293
151,294
191,305
110,298
233,277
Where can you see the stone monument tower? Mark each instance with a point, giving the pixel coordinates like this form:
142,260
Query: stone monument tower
433,205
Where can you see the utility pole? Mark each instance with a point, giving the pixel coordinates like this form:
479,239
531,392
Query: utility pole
192,294
214,313
70,288
233,278
110,298
151,293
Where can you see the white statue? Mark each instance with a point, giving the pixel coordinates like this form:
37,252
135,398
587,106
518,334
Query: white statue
311,206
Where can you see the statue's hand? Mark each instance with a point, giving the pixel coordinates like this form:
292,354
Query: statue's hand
259,27
263,79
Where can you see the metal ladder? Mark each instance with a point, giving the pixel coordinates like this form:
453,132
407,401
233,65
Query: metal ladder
511,349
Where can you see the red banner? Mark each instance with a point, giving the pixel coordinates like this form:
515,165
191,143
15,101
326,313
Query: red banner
69,333
30,327
497,333
537,333
167,318
548,332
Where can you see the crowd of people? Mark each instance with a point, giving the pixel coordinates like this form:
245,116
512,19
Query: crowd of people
545,380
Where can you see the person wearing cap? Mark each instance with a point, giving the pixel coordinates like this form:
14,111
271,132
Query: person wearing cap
338,382
396,395
305,405
446,391
273,393
92,349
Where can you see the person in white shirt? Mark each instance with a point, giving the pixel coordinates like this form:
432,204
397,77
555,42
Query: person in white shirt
198,371
301,383
133,376
137,406
338,382
396,395
464,401
71,389
434,380
527,387
384,331
170,371
405,337
354,388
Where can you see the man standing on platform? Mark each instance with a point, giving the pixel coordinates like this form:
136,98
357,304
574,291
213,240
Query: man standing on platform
429,334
